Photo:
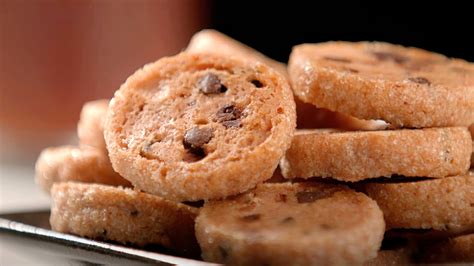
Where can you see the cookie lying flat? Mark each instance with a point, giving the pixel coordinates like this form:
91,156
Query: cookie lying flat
291,224
406,87
453,250
193,127
214,42
123,215
441,204
308,116
90,128
354,156
69,163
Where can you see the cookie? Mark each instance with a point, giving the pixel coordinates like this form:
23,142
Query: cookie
454,250
471,129
445,204
354,156
70,163
406,87
401,256
123,215
90,128
200,126
291,224
214,42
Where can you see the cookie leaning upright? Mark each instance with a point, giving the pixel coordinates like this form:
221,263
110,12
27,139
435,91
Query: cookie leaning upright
196,126
407,87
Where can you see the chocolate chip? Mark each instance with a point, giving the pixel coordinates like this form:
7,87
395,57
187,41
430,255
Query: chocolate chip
385,56
134,213
287,220
257,83
210,84
250,218
420,80
325,226
337,59
195,138
229,116
224,252
312,196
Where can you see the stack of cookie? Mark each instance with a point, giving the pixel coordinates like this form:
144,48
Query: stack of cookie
213,123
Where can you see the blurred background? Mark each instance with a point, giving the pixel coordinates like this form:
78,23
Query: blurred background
56,54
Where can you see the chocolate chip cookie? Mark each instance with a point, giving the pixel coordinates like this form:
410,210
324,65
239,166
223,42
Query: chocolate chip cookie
291,224
406,87
200,126
355,156
123,215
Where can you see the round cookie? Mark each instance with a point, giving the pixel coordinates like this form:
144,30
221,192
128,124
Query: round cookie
69,163
90,128
291,224
454,250
445,204
354,156
200,126
214,42
406,87
123,215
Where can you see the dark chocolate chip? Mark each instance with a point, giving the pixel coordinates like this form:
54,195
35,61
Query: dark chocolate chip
223,251
134,213
251,217
229,116
196,137
312,196
420,80
325,226
385,56
337,59
287,220
210,84
257,83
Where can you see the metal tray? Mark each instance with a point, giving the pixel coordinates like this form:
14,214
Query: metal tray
29,234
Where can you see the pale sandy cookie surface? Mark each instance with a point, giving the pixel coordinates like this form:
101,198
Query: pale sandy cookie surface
445,204
354,156
291,224
70,163
123,215
90,128
406,87
193,127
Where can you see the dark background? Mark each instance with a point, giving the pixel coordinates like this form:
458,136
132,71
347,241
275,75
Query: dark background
274,27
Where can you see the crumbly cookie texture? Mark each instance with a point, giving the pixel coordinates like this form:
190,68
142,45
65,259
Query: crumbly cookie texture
471,129
200,126
442,204
71,163
308,116
453,250
90,128
354,156
406,87
291,224
123,215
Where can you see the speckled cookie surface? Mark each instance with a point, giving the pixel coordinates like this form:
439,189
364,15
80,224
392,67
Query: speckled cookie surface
197,126
441,204
90,128
70,163
403,86
122,215
354,156
454,250
291,224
